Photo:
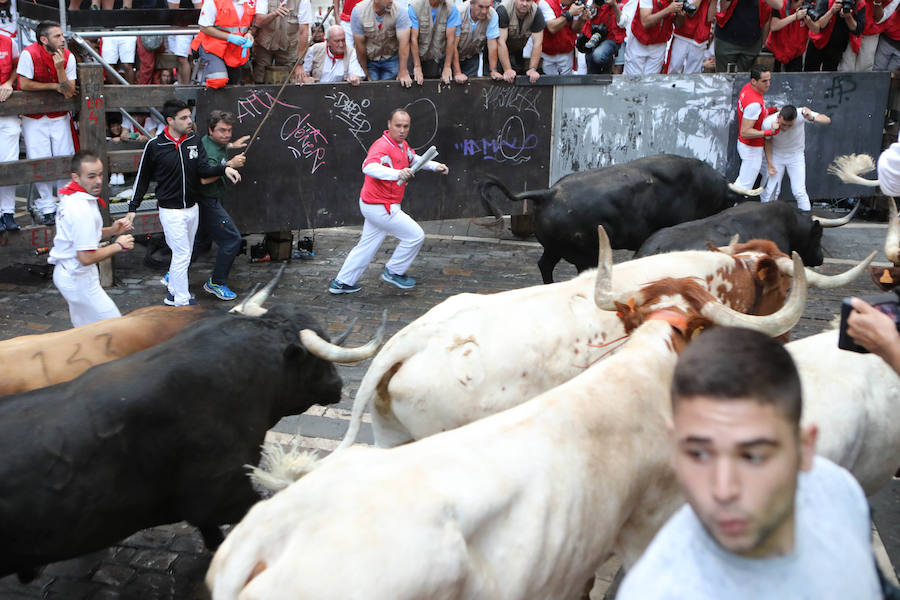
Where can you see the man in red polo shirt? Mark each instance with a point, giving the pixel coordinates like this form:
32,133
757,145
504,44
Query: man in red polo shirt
387,170
751,111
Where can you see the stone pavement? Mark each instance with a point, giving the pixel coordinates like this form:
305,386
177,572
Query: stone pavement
169,562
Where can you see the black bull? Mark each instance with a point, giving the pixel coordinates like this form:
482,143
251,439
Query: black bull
156,437
630,201
791,230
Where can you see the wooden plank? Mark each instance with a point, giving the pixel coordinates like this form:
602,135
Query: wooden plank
84,19
28,102
28,171
124,161
140,96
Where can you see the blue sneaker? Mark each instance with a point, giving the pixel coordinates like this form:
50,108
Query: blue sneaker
336,287
165,279
170,300
401,281
219,291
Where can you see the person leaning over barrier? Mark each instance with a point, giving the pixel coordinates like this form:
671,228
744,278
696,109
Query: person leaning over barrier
478,26
381,37
387,170
434,25
281,36
332,60
520,21
765,517
176,160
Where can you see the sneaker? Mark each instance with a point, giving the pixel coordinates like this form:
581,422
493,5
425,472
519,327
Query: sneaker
9,220
170,300
165,279
219,291
303,254
49,219
336,287
401,281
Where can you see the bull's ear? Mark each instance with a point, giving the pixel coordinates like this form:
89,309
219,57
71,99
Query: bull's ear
294,351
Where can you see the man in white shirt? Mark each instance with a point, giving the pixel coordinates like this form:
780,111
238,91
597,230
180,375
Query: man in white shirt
76,246
765,518
786,152
332,60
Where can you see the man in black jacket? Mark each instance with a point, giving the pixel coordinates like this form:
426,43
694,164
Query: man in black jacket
176,160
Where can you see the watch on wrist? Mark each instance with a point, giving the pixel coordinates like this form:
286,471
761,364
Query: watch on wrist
568,16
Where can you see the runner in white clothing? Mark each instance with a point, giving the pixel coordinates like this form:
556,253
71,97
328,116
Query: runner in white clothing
786,152
76,247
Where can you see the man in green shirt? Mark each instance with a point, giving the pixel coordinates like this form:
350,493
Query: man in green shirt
215,223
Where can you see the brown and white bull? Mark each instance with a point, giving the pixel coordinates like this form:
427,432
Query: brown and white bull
525,504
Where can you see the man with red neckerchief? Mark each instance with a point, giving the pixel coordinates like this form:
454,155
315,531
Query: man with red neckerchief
788,36
387,170
751,111
690,38
76,246
651,29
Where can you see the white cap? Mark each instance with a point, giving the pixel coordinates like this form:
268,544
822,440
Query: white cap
889,170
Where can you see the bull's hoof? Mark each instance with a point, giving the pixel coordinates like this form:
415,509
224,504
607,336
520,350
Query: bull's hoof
886,278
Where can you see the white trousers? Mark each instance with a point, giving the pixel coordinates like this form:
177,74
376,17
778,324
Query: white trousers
751,162
795,165
88,303
9,151
864,60
557,64
179,45
685,56
117,49
378,223
180,227
47,137
643,60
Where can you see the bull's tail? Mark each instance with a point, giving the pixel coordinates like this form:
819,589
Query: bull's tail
491,181
849,167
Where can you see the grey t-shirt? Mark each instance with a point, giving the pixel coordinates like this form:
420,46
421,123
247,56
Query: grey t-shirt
832,556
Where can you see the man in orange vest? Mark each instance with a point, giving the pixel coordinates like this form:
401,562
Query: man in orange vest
224,40
751,111
47,65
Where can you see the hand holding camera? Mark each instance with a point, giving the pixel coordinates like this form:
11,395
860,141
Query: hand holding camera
870,323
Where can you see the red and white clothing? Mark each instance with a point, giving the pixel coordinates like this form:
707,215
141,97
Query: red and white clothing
379,203
9,126
46,134
344,20
645,51
790,41
689,41
861,56
750,106
334,68
557,49
788,155
9,26
79,226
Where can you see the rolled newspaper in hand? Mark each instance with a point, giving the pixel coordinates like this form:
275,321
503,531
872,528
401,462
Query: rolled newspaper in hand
429,154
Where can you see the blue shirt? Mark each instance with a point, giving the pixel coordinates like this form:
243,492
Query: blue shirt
453,19
356,22
493,28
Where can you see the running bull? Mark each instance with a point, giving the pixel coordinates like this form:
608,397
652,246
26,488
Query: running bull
159,436
790,230
630,201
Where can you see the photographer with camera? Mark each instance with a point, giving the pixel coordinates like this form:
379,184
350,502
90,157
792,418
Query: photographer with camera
651,30
860,52
564,20
887,52
788,34
691,37
826,46
520,21
601,38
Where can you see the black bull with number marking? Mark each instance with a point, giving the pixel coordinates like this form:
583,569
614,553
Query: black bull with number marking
156,437
630,201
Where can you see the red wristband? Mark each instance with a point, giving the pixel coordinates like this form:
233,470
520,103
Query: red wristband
124,249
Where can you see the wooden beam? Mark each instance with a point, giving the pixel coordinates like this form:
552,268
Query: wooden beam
139,96
29,102
29,171
84,19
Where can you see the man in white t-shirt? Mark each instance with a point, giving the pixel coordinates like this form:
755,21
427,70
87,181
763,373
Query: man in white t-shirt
765,517
76,246
786,152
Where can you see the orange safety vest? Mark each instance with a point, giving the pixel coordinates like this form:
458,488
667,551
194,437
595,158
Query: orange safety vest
227,21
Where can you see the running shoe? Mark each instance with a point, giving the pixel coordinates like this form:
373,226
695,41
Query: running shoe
219,291
336,287
401,281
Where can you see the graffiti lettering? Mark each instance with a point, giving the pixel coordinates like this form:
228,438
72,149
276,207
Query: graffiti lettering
351,112
311,141
512,144
257,104
519,99
840,91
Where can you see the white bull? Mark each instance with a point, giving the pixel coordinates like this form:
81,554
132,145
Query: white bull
525,504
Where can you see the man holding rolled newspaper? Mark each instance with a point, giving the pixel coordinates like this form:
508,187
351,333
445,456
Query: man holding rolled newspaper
388,167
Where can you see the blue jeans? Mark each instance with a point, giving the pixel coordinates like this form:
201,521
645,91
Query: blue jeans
386,68
601,59
216,226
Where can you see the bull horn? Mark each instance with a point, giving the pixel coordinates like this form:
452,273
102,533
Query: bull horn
740,190
339,340
838,222
334,353
849,167
253,306
775,324
826,282
892,239
239,309
603,295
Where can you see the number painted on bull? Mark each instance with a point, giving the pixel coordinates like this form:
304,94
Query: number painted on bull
842,88
257,104
311,141
352,113
513,144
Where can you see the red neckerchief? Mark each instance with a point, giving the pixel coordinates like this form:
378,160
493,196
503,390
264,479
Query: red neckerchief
73,186
334,57
178,141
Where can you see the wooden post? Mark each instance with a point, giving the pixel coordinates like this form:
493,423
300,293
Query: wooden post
92,135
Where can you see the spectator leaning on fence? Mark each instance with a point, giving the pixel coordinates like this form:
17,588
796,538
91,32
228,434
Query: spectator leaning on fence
691,37
651,30
332,60
788,35
478,25
47,65
520,21
281,35
837,28
887,52
739,27
564,20
433,31
381,37
9,133
224,40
